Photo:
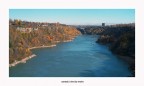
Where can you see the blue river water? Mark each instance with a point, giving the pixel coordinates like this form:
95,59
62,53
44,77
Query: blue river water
82,57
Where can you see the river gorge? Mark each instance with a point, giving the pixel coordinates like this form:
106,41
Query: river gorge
82,57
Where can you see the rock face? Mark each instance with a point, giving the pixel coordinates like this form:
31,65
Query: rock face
45,34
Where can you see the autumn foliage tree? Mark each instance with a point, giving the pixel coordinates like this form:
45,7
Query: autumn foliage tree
47,34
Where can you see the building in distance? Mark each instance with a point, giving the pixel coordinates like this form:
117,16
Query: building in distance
103,24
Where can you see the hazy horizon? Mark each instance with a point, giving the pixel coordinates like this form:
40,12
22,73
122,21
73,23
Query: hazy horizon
75,16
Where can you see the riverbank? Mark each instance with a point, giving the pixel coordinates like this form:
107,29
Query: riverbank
131,63
21,61
67,41
29,57
33,55
128,59
42,47
92,60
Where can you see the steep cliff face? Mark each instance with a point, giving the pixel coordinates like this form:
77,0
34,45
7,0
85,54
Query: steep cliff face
23,38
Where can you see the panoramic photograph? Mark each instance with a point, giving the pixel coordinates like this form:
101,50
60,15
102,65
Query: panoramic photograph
71,42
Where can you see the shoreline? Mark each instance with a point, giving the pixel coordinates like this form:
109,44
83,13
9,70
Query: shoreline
127,59
42,46
67,41
33,55
131,63
21,61
29,57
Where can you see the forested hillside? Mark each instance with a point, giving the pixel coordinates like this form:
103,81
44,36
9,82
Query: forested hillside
24,35
120,38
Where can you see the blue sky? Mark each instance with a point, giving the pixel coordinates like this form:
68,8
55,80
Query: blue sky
75,16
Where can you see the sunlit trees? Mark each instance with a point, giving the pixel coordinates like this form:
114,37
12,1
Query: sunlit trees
47,34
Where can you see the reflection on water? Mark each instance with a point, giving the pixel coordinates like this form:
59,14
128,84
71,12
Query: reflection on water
79,58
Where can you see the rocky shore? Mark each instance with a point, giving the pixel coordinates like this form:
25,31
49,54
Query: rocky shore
42,47
33,55
21,61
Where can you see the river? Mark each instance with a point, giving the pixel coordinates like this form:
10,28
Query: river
80,58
